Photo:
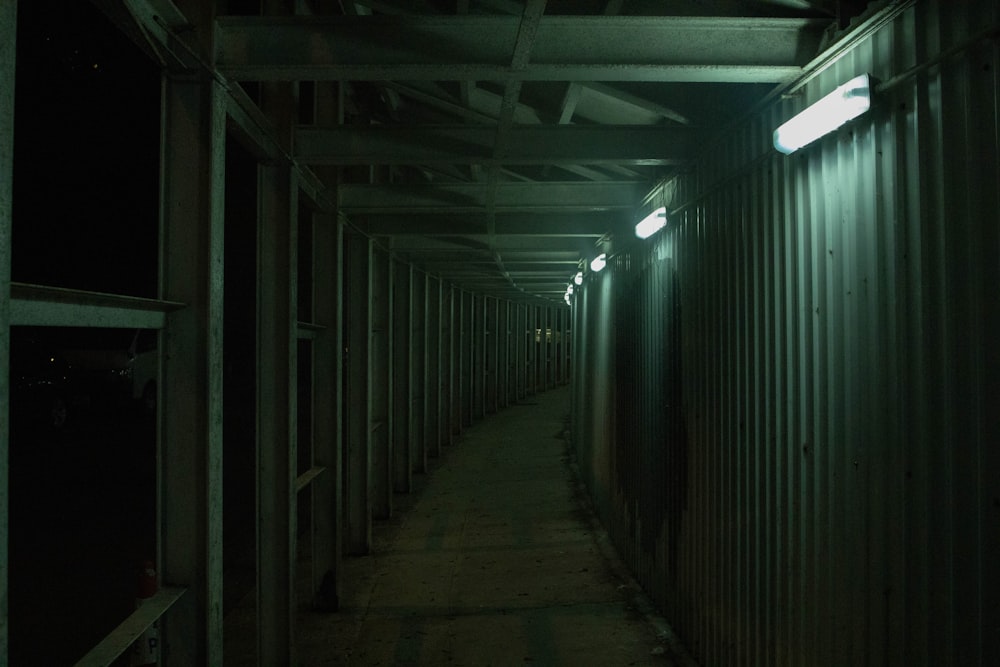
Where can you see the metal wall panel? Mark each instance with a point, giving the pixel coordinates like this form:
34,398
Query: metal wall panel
787,415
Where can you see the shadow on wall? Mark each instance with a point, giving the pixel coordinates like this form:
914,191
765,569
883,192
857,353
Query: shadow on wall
652,451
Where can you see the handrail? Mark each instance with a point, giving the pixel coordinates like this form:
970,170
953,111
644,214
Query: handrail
128,631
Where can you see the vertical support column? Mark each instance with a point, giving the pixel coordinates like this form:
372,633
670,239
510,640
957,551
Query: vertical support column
566,329
418,341
548,347
478,356
432,370
548,336
559,319
491,338
328,364
402,308
511,353
357,467
503,350
568,346
8,33
380,386
519,360
189,449
467,356
534,345
276,407
447,364
458,366
328,239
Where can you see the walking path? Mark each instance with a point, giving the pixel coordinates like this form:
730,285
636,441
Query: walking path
493,562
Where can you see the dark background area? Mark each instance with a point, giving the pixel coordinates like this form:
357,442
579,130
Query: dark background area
86,160
86,153
83,493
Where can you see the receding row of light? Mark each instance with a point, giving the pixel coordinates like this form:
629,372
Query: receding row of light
845,103
576,282
649,225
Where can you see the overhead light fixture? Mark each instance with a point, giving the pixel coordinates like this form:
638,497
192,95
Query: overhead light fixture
847,102
599,262
566,299
569,289
652,223
578,278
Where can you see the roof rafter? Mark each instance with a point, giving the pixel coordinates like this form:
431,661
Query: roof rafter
474,144
511,197
468,47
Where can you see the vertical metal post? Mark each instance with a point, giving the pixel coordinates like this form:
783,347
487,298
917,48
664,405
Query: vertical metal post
557,343
503,348
380,385
276,409
328,238
402,307
277,386
419,350
357,467
466,354
432,370
8,33
328,364
192,193
568,344
549,338
512,352
478,356
490,376
533,349
447,363
457,341
519,350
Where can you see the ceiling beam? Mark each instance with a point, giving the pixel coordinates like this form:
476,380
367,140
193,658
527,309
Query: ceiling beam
579,224
474,144
479,47
538,197
638,102
477,243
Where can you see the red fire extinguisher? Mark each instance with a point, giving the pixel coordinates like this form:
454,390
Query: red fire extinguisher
145,651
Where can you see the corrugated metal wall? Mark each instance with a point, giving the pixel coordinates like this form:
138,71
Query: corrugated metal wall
789,406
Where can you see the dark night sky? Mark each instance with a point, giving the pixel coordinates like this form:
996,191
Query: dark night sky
85,154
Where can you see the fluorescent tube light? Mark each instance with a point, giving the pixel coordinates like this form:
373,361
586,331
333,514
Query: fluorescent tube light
578,278
599,262
652,223
847,102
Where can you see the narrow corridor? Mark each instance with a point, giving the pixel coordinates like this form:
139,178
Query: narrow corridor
493,562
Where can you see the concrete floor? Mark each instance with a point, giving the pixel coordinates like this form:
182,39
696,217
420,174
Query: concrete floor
492,562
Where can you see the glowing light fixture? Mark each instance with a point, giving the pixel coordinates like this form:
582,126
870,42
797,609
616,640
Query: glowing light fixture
569,289
566,298
652,223
578,278
847,102
599,262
